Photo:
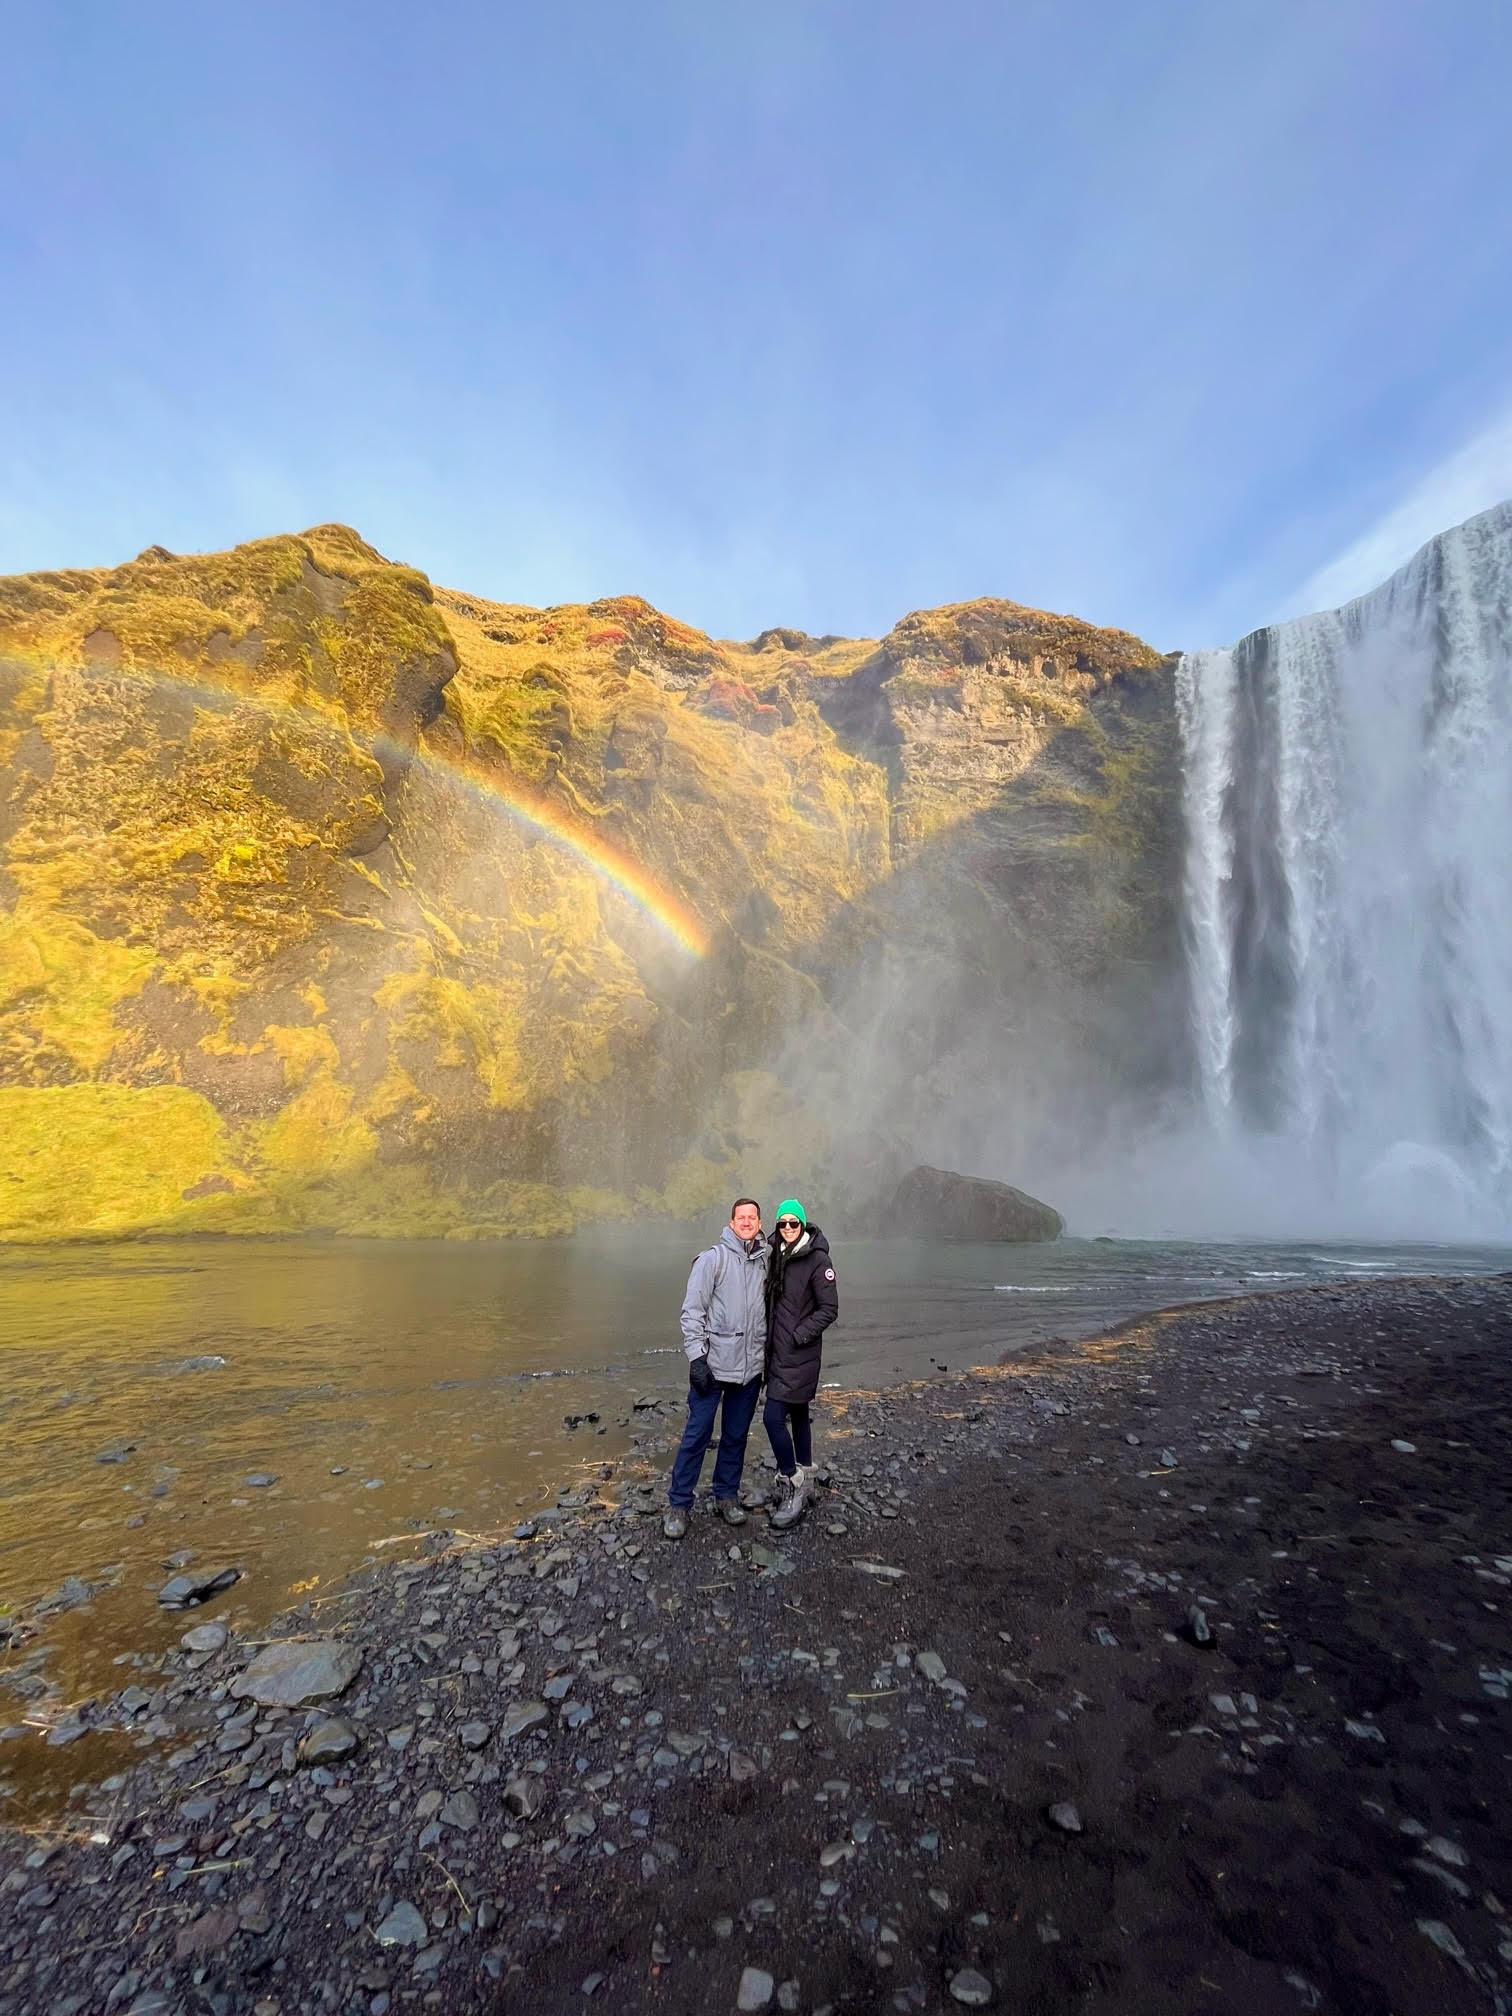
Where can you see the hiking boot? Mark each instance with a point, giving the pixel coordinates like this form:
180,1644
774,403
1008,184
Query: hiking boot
794,1503
730,1510
674,1522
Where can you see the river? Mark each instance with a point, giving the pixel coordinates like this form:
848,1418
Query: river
380,1390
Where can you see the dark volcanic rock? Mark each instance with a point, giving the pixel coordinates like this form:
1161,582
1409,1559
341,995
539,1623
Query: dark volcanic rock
197,1586
939,1204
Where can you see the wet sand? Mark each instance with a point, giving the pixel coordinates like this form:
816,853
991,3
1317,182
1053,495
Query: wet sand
806,1783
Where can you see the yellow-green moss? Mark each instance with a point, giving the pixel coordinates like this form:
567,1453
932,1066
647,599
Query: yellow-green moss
106,1160
60,986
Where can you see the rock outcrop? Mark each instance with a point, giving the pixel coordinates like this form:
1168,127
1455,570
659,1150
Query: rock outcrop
939,1204
332,901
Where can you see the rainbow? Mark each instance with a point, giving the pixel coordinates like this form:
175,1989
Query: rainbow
606,860
610,863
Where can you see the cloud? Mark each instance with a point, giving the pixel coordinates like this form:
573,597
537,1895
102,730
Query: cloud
1472,479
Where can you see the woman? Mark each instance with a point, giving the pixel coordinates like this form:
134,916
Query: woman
802,1302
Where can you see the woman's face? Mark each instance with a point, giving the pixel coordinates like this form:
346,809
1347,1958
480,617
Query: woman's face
788,1230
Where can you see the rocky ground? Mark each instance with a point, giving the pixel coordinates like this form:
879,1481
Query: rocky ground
1169,1673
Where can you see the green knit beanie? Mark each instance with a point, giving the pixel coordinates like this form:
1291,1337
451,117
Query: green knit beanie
791,1208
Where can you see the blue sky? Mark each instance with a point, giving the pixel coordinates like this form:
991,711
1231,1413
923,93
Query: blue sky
1174,315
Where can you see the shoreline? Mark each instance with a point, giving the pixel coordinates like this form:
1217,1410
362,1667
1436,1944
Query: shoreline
701,1731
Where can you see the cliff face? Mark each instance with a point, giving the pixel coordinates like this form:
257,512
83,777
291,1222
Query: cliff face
330,901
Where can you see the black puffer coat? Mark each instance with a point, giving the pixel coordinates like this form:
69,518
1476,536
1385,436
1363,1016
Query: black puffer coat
802,1302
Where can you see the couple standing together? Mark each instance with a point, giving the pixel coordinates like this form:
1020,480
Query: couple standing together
754,1311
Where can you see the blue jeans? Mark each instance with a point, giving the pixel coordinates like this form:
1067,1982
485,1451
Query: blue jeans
739,1403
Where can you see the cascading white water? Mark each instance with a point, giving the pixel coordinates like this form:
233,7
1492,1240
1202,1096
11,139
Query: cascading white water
1348,901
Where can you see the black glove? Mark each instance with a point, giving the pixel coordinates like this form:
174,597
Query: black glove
700,1378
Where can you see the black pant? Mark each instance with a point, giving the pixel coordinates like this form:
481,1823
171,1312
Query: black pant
789,1449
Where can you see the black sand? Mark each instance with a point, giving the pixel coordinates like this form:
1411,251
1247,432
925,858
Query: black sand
1309,1814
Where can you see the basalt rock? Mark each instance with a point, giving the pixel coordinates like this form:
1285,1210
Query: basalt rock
939,1204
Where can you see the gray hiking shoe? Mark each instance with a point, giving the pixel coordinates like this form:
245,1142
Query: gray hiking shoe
794,1502
728,1509
674,1522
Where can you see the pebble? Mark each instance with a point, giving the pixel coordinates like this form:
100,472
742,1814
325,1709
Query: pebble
756,1989
931,1665
1065,1816
525,1797
403,1927
473,1735
1198,1630
328,1742
974,1989
205,1638
524,1715
1405,1448
460,1811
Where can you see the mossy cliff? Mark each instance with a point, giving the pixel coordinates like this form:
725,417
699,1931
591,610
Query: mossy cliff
331,901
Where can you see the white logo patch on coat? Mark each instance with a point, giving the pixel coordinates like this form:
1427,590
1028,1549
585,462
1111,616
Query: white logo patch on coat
829,1273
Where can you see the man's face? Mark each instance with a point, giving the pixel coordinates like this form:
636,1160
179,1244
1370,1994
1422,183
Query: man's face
747,1222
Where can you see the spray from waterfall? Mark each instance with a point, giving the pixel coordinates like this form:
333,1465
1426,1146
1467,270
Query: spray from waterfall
1348,901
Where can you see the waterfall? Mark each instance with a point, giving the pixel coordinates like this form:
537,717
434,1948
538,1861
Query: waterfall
1348,901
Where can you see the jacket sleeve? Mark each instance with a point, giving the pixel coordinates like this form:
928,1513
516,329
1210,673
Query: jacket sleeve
695,1308
826,1308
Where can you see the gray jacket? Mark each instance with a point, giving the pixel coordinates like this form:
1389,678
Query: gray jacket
724,1310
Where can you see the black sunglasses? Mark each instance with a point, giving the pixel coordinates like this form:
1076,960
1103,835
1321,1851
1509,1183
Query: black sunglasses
794,1222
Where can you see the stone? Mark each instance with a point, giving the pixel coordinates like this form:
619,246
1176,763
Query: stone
260,1480
880,1571
931,1665
1065,1816
205,1638
474,1735
1198,1630
523,1716
836,1852
328,1742
403,1927
207,1934
1438,1932
580,1824
941,1204
297,1672
195,1586
756,1990
461,1812
974,1989
525,1797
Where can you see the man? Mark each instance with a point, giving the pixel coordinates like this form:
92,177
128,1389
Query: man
724,1336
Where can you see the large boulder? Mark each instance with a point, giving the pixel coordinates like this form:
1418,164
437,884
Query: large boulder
940,1204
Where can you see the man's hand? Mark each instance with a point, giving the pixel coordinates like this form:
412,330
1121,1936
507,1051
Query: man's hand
700,1378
